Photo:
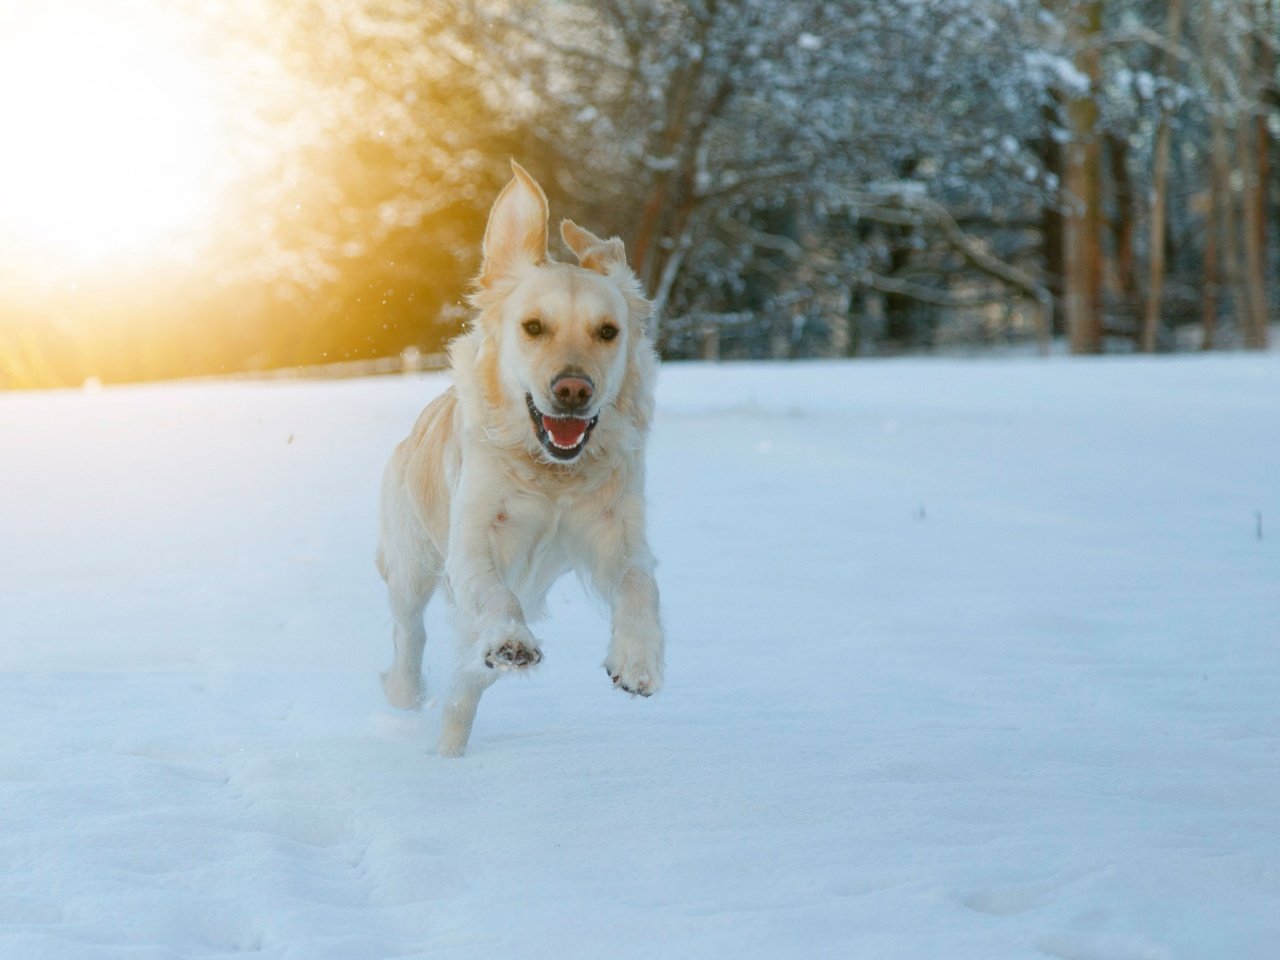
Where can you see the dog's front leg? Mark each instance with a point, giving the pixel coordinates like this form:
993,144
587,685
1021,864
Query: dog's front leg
496,638
634,662
623,574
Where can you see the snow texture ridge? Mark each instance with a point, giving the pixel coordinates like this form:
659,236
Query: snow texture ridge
966,660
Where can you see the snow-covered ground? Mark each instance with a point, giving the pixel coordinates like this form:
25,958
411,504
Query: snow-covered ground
966,660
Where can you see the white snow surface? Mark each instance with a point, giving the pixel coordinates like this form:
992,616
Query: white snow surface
966,659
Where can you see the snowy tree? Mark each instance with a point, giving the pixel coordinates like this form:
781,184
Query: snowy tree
784,159
1171,100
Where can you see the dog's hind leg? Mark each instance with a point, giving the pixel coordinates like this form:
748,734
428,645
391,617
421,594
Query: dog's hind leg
409,591
469,683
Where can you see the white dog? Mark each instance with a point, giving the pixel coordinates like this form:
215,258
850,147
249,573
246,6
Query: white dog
530,465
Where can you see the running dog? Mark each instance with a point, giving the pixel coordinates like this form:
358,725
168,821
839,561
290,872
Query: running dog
529,466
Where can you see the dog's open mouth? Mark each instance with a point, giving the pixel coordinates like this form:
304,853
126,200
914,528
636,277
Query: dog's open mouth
562,437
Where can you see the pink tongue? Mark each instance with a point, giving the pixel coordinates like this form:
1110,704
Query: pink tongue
566,431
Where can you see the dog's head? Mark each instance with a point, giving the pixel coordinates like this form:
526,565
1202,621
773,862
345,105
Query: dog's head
559,341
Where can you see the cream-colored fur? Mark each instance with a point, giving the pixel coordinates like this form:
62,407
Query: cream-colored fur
476,500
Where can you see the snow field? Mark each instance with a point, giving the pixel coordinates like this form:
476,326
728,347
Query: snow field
966,660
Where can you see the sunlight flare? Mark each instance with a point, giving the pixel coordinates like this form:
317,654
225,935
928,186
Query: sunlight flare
111,132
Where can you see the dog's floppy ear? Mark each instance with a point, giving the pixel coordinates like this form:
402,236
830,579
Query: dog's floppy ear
517,230
592,252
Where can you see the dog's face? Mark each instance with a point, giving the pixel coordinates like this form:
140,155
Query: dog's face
562,351
561,332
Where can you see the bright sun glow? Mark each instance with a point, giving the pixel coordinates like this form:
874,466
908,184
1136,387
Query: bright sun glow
108,131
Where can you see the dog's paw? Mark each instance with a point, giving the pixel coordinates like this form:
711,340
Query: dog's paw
634,663
512,655
636,678
516,651
402,692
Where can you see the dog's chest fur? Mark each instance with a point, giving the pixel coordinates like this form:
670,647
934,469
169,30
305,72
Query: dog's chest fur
544,529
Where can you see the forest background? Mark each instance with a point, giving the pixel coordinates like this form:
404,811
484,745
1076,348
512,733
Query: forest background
192,188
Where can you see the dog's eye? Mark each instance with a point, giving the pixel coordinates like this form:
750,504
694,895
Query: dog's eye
533,327
608,331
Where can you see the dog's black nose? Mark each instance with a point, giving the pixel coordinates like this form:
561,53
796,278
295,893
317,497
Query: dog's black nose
573,392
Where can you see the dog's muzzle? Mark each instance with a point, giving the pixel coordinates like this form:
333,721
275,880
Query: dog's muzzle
562,437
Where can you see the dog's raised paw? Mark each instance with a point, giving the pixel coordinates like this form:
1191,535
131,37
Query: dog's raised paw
512,655
637,685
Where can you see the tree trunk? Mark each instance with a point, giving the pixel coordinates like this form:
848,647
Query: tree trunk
656,210
1262,145
1082,241
1123,226
1053,224
1209,290
690,112
1221,168
1258,174
1255,321
670,270
1268,102
1159,201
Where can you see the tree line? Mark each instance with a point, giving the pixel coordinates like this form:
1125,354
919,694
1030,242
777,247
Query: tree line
811,178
